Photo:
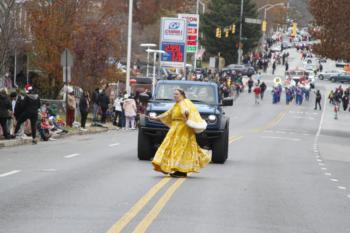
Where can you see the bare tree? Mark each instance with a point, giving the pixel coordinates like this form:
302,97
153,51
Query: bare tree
7,18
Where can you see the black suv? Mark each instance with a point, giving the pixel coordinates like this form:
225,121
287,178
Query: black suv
206,97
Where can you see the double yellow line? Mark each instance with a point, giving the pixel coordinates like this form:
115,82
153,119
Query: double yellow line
164,199
274,122
154,212
149,218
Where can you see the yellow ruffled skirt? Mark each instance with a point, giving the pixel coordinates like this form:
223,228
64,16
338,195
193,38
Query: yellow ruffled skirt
180,151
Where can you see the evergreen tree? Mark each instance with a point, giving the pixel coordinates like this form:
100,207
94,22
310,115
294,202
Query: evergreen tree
225,13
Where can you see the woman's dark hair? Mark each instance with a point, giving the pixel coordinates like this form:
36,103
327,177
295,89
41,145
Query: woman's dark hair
182,92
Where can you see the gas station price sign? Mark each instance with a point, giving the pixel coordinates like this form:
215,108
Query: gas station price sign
175,54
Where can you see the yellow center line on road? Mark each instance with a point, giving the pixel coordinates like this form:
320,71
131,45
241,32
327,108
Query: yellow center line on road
275,121
155,211
152,215
122,222
235,139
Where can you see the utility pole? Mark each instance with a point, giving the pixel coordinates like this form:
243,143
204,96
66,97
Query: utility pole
128,62
199,2
239,59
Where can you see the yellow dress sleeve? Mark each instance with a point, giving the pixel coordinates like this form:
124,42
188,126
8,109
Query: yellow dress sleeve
166,118
194,120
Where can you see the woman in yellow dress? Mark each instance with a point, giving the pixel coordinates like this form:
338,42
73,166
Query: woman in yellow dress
179,153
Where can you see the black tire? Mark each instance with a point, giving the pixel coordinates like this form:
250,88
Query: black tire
220,148
321,77
333,80
145,148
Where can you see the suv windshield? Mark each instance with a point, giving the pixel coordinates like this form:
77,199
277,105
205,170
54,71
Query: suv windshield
196,93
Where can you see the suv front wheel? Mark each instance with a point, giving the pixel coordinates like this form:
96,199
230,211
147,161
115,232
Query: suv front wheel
145,148
220,147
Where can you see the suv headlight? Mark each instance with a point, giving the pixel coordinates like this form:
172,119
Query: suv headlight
211,118
152,114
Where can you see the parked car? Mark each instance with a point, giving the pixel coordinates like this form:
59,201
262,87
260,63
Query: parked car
329,73
341,63
310,60
276,48
322,59
287,45
310,67
249,70
235,69
342,78
209,103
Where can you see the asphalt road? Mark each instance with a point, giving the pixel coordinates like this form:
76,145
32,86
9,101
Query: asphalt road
280,178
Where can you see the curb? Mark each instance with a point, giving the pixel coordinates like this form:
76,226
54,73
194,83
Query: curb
20,142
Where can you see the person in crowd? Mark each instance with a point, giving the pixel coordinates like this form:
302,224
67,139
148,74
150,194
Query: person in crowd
331,97
52,117
306,91
338,96
29,110
103,103
95,106
320,67
118,111
250,85
345,101
258,78
318,99
273,67
263,89
12,122
175,157
43,125
71,107
5,112
274,95
257,93
130,109
299,95
84,106
286,66
288,95
17,112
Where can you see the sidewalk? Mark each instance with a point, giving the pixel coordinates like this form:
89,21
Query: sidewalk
338,128
71,132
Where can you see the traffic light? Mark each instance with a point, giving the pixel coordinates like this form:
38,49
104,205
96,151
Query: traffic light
218,32
227,32
233,28
263,26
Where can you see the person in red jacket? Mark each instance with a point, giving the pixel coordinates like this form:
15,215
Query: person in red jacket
257,92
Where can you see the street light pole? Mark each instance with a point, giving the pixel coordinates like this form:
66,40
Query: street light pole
268,7
239,59
148,46
155,52
195,54
128,62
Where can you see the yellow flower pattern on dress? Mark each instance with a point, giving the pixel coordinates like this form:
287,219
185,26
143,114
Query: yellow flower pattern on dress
179,150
